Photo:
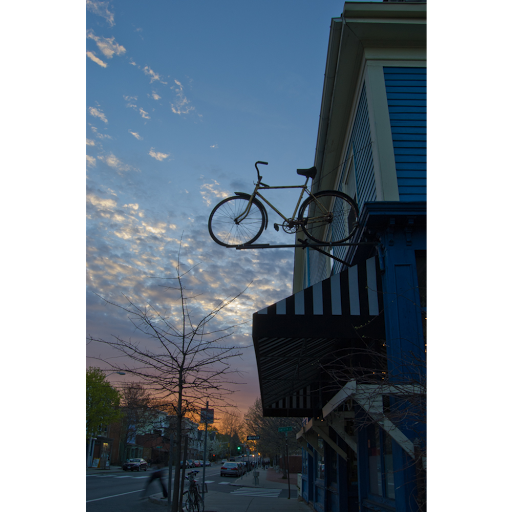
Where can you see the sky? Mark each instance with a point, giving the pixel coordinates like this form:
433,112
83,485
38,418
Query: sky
182,99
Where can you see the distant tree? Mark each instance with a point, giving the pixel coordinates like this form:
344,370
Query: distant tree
139,416
182,362
231,426
101,404
272,443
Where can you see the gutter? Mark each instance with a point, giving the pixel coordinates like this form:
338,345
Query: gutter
331,67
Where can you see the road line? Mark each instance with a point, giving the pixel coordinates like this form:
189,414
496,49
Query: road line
114,496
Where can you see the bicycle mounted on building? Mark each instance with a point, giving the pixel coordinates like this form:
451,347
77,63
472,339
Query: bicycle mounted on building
326,217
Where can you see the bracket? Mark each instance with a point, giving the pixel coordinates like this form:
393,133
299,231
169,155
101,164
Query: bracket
306,244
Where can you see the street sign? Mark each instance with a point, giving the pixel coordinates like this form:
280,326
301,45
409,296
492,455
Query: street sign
206,415
252,438
285,429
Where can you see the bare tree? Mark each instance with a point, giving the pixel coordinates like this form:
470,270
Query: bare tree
138,413
272,443
182,363
231,426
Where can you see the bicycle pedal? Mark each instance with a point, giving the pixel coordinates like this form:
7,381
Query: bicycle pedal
276,226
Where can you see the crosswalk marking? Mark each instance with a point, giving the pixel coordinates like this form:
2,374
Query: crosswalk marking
223,483
265,493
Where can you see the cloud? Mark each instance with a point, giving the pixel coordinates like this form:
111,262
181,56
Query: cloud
144,114
136,135
154,76
98,61
182,103
132,62
100,202
96,112
91,161
101,9
158,156
107,46
90,142
215,146
114,162
155,95
209,190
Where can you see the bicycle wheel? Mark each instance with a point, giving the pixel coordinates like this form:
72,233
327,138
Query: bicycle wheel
189,504
225,231
334,221
199,503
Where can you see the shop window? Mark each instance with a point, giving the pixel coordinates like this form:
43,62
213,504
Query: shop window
332,474
380,463
388,466
374,461
320,461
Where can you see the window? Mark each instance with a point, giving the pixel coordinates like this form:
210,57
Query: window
380,463
320,462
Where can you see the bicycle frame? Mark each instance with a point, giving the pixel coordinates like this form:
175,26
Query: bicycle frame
256,193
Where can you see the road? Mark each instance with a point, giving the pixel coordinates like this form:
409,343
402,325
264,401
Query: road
121,491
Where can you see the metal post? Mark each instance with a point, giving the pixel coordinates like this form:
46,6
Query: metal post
205,441
183,472
169,483
287,465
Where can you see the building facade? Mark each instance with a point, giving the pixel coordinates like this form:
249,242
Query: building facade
347,351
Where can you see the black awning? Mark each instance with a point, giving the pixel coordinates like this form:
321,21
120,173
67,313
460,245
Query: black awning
295,339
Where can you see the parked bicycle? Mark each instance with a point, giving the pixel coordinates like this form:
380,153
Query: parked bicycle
326,217
194,501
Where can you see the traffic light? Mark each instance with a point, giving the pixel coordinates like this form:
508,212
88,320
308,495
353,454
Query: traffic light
238,448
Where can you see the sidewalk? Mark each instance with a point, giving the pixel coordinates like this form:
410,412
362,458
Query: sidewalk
268,479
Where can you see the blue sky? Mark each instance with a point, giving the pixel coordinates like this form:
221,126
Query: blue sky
182,99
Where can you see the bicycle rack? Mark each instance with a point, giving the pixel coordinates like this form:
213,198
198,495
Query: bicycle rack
305,244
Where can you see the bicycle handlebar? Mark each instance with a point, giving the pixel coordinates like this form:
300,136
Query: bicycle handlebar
257,170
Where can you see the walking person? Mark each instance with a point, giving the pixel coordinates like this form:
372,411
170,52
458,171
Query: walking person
157,472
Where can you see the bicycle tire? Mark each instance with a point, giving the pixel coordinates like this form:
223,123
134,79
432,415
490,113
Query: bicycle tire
199,503
342,217
226,232
189,504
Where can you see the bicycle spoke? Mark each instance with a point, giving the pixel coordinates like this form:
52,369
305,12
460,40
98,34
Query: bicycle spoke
330,217
226,231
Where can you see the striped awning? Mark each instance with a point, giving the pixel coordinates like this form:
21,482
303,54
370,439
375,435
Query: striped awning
295,339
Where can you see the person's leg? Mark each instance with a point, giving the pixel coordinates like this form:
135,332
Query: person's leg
164,490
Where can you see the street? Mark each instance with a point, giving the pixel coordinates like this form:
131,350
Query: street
118,490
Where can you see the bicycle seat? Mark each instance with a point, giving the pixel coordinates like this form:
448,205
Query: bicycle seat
308,173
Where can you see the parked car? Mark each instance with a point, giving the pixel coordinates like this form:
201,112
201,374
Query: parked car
187,464
198,463
207,463
136,464
230,469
